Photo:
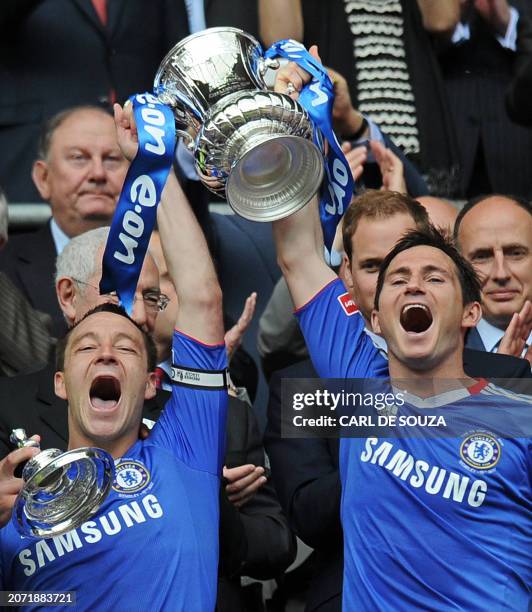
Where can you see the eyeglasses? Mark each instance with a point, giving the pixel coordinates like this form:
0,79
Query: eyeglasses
153,300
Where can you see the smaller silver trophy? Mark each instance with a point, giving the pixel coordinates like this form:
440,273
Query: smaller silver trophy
252,144
61,490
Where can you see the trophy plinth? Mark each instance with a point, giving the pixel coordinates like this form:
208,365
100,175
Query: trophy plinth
61,490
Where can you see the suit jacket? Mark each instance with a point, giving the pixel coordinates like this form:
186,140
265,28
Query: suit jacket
57,53
306,476
477,74
254,541
25,342
29,261
520,91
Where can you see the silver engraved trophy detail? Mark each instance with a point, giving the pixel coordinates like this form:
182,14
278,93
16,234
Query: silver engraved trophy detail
252,144
61,490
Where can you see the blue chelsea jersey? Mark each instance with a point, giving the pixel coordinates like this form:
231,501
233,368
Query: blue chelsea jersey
153,544
429,523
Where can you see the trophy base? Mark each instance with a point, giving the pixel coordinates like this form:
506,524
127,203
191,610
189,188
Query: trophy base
275,178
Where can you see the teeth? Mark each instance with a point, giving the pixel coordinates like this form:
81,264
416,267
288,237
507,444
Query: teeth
410,306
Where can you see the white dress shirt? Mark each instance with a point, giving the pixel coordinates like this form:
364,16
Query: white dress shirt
491,336
59,236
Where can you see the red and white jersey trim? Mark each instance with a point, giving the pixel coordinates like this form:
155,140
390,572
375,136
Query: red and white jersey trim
348,304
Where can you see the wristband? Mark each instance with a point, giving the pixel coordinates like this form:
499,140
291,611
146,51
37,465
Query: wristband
358,134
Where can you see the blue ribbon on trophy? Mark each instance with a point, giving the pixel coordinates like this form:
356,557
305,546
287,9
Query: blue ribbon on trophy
317,98
136,211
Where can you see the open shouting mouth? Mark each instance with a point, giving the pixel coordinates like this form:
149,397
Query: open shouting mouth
415,318
105,392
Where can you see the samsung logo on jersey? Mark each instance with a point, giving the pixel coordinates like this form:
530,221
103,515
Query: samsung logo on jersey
420,474
91,532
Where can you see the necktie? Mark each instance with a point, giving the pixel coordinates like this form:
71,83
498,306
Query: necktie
100,6
160,377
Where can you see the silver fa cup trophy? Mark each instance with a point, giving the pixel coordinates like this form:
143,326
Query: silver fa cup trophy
61,490
252,144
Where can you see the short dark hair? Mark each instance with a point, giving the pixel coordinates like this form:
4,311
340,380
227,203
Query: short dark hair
376,204
149,343
517,200
469,281
50,125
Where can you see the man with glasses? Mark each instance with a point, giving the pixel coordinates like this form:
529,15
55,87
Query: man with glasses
77,277
29,401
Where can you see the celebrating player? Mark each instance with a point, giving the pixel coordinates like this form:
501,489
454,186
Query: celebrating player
428,523
153,543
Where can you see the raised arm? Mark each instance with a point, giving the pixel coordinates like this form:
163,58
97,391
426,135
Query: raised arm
190,266
280,19
299,244
298,238
185,249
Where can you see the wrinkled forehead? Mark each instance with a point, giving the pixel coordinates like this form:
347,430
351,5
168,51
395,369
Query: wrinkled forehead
493,220
84,121
105,326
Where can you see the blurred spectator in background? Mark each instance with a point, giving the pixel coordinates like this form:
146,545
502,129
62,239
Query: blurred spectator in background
374,159
520,92
494,233
477,64
80,172
25,343
62,53
442,213
384,50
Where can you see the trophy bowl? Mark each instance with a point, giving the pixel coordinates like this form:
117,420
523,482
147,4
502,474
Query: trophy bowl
61,490
252,145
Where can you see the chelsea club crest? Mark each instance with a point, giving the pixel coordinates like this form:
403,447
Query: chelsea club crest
480,450
130,477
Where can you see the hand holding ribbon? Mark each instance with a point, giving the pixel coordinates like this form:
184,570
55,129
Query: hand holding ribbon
146,135
307,75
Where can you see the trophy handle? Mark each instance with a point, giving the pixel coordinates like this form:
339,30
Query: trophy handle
19,438
265,63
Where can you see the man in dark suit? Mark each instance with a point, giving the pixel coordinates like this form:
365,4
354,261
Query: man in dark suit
63,53
30,400
494,234
477,66
25,333
80,172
